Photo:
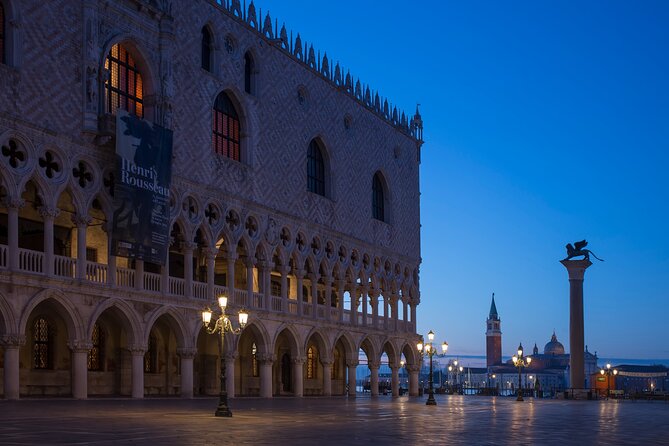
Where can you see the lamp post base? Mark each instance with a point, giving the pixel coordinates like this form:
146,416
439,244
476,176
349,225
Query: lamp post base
520,397
223,410
430,400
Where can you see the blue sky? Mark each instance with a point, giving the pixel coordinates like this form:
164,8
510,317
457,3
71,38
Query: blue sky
545,123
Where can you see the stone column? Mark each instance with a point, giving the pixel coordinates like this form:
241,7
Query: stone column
48,215
298,376
576,270
374,377
211,253
395,380
249,281
327,378
313,278
230,373
393,311
405,314
352,378
186,355
363,301
137,357
327,280
82,222
413,317
299,275
13,207
413,379
80,368
354,292
188,248
165,274
341,284
265,362
284,288
231,258
11,344
139,274
267,284
374,297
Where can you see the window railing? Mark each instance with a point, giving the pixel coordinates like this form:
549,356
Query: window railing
98,273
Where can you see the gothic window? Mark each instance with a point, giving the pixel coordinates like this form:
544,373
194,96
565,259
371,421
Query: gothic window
151,356
312,357
124,86
95,354
249,68
378,211
42,344
254,361
2,34
335,365
225,128
315,169
206,49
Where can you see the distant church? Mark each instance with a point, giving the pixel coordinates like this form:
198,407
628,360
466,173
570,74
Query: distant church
550,369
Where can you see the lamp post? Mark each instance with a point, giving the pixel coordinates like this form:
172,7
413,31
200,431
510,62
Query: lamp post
428,349
455,370
520,361
223,325
608,372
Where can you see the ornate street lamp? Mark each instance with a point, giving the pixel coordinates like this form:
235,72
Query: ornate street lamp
608,372
223,325
455,370
428,349
520,361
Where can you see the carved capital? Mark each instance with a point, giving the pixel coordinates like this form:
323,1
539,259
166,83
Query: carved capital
12,340
189,246
298,273
299,360
412,368
210,253
230,356
137,350
15,203
327,363
48,212
352,363
80,346
374,365
81,220
186,353
265,358
231,256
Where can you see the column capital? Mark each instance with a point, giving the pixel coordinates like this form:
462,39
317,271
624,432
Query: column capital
189,246
298,273
12,340
210,253
249,261
299,360
80,346
81,220
137,350
576,268
326,363
352,363
284,269
413,368
265,358
231,256
15,203
230,356
374,365
186,353
48,212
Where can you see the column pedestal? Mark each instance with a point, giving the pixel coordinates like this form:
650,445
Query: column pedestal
576,270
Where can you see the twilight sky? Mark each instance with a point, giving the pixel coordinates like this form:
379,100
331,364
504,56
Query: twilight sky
545,123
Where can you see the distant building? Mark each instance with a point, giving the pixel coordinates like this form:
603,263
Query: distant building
550,369
633,379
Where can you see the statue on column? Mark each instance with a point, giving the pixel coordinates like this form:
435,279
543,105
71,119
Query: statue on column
578,250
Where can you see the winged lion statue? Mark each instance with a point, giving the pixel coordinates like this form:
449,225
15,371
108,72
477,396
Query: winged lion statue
578,249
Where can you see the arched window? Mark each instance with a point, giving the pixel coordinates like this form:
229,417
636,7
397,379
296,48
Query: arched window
378,208
124,86
335,365
206,49
95,354
42,344
249,68
151,356
312,357
254,361
226,128
3,58
315,169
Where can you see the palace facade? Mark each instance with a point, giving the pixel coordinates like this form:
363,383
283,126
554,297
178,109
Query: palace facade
294,192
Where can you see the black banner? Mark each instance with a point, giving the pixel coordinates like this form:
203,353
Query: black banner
141,189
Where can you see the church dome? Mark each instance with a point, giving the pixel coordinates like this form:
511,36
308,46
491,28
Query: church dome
554,347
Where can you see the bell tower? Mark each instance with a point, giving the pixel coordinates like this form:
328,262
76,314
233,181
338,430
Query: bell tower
493,336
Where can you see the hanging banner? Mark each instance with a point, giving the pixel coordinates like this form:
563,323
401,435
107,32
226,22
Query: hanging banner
141,189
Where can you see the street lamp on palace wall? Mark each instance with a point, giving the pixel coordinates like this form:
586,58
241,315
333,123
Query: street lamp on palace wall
520,361
223,325
608,372
428,349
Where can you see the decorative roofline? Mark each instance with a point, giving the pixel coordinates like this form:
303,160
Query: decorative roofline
305,54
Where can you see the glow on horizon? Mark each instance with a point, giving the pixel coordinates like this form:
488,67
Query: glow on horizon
545,123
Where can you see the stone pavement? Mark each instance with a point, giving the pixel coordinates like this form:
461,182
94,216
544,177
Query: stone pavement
334,421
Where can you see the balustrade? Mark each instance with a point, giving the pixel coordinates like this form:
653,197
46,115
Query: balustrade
64,266
152,282
31,261
277,304
177,286
96,272
125,277
200,290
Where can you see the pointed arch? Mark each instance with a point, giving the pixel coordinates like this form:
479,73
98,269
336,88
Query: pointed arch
380,198
124,312
250,73
62,306
127,84
175,322
318,168
7,317
226,127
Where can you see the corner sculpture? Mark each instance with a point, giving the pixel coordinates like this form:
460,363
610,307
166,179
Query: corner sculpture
577,250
